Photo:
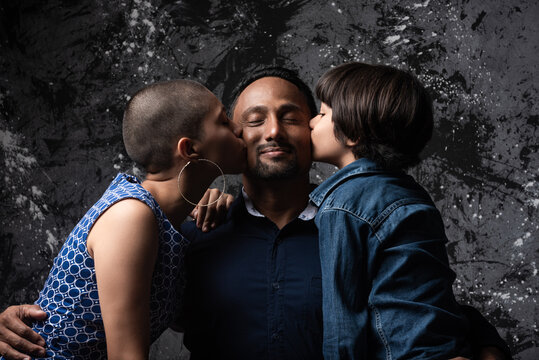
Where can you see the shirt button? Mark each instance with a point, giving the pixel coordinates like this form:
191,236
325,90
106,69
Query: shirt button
275,286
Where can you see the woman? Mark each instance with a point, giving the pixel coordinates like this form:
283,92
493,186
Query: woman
113,285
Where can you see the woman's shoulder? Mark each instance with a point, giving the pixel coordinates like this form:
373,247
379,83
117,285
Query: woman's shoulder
131,212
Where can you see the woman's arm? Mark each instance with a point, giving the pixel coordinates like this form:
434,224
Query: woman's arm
124,244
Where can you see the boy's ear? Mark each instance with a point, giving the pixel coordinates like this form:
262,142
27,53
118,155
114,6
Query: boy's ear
186,149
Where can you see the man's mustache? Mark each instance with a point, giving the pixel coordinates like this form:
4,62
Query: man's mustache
274,146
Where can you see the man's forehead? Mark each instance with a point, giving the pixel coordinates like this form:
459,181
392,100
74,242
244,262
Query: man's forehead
270,89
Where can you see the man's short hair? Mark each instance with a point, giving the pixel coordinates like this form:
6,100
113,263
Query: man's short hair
158,116
387,111
278,72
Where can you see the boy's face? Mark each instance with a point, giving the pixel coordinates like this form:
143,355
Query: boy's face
326,147
221,139
274,116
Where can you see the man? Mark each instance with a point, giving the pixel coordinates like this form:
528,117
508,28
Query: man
254,283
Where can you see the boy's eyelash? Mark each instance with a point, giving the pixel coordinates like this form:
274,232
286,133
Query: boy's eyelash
321,114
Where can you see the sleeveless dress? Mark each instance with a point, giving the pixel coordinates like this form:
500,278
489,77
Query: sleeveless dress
74,327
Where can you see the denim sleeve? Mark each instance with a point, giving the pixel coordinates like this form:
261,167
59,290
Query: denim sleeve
389,296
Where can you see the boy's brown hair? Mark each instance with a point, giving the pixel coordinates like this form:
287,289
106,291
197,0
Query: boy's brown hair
385,110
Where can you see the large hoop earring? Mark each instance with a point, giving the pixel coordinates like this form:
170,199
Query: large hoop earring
214,201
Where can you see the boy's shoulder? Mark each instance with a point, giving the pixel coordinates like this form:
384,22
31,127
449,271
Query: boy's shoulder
374,196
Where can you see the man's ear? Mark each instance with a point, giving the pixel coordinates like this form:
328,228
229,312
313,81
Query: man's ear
186,149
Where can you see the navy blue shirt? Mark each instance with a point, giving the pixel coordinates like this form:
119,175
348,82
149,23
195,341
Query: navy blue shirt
253,291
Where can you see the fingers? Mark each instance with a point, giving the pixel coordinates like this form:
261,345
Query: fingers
207,217
193,213
222,209
211,210
16,337
201,210
15,347
11,354
31,313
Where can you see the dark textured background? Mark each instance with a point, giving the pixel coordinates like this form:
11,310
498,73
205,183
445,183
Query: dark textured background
67,69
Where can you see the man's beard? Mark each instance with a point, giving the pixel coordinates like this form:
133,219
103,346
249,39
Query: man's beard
276,171
279,169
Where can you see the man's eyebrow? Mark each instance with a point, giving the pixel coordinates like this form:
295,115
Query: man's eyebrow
288,107
261,109
254,109
257,109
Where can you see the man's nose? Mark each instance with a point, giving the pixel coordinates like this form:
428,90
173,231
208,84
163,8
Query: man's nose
273,128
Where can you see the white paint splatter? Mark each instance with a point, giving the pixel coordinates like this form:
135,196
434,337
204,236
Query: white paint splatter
16,157
423,4
36,192
52,242
20,200
150,25
35,211
391,39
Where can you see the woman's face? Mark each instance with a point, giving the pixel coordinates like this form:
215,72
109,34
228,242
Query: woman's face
326,147
221,140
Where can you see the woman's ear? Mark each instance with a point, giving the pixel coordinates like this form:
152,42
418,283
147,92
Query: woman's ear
186,149
350,143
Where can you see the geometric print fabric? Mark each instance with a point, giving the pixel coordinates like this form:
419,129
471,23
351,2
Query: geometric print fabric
74,327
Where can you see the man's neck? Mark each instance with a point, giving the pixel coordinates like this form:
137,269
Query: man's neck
281,201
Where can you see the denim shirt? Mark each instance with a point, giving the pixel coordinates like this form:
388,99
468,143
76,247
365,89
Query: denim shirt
386,282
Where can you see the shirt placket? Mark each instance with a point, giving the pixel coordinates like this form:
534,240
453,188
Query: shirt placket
275,296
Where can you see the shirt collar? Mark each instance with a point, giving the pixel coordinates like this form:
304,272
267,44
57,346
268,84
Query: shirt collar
358,167
307,214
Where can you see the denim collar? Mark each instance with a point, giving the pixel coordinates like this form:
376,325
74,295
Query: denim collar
359,167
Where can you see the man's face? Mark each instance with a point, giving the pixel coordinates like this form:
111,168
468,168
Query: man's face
275,118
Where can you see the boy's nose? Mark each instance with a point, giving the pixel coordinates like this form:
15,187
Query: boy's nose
313,121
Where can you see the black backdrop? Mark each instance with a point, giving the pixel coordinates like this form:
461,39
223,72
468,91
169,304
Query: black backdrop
67,69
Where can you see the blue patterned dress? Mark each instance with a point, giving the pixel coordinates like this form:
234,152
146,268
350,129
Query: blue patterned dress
74,328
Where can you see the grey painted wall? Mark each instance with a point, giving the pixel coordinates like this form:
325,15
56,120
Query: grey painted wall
66,71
